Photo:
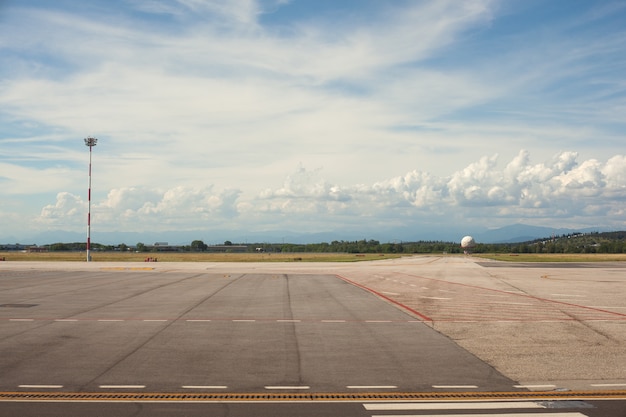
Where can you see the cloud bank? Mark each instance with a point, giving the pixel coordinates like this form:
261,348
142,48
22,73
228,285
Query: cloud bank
560,189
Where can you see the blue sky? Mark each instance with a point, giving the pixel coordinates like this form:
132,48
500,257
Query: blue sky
383,119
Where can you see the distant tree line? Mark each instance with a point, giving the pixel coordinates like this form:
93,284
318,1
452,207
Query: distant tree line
606,242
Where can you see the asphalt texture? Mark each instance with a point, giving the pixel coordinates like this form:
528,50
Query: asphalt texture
167,332
419,324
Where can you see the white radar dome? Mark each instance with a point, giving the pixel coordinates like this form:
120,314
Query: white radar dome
468,242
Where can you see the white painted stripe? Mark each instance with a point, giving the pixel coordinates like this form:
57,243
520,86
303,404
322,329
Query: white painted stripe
65,320
494,405
568,295
104,320
21,319
530,386
122,386
481,415
389,293
243,320
333,321
205,386
39,386
455,386
286,387
197,320
371,386
155,320
436,298
609,385
377,321
510,303
288,321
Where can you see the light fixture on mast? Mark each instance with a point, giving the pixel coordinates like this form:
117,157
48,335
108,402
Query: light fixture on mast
91,142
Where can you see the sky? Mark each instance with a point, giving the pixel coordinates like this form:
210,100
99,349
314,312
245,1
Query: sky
381,119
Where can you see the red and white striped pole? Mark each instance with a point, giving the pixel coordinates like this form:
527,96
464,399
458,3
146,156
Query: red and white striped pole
91,142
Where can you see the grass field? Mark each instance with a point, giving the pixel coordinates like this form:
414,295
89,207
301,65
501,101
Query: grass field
194,257
289,257
554,257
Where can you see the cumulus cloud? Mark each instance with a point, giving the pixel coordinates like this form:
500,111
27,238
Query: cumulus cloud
561,187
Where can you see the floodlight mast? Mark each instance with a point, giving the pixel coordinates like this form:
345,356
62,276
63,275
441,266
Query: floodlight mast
91,142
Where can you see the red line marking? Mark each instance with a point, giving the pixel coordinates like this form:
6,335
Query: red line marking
547,300
391,300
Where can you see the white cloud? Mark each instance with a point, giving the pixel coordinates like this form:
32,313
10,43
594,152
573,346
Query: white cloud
521,190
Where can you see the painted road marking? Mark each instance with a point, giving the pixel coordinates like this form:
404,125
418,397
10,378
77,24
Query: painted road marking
243,321
40,386
435,298
65,319
455,386
333,321
537,386
453,406
371,386
21,319
287,387
575,414
105,320
288,321
122,386
204,387
609,385
197,320
154,320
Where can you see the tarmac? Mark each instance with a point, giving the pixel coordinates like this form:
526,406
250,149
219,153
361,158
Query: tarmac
547,326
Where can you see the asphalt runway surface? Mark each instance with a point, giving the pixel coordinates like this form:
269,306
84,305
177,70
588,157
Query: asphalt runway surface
411,325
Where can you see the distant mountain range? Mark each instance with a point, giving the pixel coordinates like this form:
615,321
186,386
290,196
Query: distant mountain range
508,234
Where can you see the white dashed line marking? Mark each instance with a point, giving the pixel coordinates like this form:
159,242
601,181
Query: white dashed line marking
204,387
455,386
40,386
243,321
333,321
65,320
197,320
107,320
122,386
21,319
159,320
287,387
537,386
288,321
371,386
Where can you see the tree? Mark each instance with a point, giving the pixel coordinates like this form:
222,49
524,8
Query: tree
141,247
198,246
